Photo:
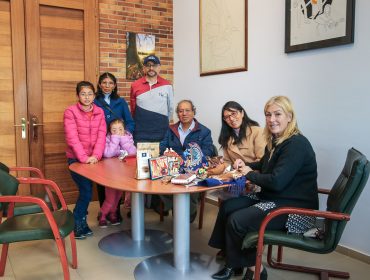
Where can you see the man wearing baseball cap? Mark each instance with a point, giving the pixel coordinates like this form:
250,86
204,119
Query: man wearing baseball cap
151,102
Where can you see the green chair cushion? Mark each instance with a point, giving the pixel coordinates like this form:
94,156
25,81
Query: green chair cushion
35,227
297,241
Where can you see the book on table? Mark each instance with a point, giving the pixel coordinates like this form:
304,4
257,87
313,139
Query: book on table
183,179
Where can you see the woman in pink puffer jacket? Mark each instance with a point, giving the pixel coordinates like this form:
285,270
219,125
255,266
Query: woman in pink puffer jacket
85,131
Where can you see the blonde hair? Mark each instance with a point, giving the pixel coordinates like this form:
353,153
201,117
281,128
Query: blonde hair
292,129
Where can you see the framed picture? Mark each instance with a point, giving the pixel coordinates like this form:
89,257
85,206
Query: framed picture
158,167
138,46
223,36
312,24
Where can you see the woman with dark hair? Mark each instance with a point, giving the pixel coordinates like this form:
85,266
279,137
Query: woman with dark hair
114,108
240,136
113,105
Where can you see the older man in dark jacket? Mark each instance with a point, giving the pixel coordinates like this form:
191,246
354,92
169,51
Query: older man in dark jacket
179,135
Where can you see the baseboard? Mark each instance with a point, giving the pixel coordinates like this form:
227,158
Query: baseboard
353,254
340,249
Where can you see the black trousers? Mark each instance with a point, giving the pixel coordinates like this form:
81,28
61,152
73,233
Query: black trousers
101,197
235,219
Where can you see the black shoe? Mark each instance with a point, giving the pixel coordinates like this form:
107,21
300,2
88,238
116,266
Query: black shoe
249,275
193,216
227,272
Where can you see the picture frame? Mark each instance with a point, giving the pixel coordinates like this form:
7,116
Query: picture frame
223,32
313,24
138,46
158,167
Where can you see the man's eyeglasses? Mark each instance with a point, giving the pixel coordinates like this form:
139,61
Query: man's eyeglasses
233,115
151,65
184,111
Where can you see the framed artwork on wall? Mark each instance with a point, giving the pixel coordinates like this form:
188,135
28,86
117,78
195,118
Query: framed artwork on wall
223,36
138,46
312,24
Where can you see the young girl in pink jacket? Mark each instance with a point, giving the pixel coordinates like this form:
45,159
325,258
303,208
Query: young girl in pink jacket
85,131
117,141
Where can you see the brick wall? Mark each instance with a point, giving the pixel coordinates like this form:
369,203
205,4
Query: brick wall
117,17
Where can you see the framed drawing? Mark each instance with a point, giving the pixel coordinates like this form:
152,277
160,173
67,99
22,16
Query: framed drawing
223,36
312,24
158,167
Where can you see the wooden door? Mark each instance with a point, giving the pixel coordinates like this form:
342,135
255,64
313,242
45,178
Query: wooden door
60,41
14,145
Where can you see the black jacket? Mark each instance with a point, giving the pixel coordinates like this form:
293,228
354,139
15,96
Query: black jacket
289,178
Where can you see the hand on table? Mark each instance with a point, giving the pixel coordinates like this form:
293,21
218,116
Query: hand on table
92,160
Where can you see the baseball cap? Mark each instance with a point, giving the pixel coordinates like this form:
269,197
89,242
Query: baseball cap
152,58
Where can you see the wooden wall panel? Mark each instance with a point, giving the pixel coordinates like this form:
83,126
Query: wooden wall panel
7,137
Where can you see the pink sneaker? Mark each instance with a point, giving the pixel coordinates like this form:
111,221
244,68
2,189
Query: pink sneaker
112,217
102,221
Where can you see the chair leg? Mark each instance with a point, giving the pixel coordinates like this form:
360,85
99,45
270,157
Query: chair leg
63,258
324,274
4,255
73,249
201,209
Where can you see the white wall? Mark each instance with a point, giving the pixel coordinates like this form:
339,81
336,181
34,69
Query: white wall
330,89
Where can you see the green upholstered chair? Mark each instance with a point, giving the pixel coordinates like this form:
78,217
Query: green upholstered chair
340,202
45,225
49,196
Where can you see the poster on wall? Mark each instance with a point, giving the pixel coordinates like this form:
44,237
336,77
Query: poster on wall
311,24
138,46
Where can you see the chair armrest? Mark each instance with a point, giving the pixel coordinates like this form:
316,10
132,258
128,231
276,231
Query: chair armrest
48,184
30,169
291,210
323,191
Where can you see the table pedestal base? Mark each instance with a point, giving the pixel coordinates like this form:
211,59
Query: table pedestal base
121,244
161,267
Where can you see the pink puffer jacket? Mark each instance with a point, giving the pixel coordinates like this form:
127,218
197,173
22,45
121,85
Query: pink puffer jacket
85,136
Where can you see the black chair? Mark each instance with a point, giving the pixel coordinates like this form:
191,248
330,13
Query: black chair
45,225
341,200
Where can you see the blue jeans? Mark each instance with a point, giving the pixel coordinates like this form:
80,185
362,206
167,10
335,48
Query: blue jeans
85,193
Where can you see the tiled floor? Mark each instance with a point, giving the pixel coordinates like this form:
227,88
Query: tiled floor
39,259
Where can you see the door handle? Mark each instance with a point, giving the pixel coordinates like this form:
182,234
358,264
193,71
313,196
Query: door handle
34,124
23,127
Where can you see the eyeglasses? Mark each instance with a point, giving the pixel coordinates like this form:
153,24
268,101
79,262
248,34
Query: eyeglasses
184,111
151,65
233,115
86,94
